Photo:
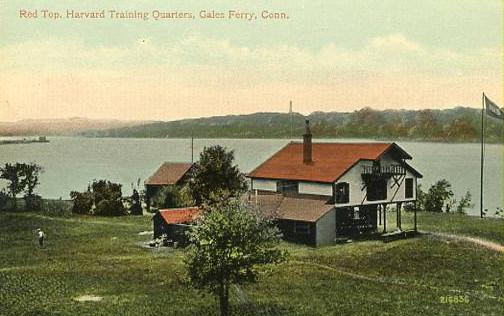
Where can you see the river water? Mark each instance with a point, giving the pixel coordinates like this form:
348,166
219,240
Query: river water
70,163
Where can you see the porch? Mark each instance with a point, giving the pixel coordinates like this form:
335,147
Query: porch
385,221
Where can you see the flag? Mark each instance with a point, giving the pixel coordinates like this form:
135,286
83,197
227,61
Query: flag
493,110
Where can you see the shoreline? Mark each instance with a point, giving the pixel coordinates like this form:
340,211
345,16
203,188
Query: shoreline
411,140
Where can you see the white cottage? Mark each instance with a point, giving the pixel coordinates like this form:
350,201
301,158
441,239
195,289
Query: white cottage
321,191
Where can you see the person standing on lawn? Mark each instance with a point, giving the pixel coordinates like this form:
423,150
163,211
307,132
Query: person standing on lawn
41,236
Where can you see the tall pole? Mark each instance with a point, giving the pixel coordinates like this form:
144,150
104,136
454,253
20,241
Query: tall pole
192,147
290,114
482,151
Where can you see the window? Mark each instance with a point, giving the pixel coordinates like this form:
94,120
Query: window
285,186
342,191
301,228
376,189
408,188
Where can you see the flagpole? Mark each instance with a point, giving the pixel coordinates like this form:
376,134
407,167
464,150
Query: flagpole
482,151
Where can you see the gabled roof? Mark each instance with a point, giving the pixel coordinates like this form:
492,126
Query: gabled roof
169,173
330,160
179,215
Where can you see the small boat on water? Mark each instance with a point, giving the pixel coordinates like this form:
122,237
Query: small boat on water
13,141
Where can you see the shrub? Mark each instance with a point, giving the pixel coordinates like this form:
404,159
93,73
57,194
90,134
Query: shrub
33,202
172,197
409,207
107,198
135,204
438,197
57,208
110,208
82,202
103,195
465,202
4,199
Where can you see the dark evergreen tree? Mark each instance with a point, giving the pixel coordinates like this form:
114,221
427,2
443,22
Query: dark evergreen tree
215,172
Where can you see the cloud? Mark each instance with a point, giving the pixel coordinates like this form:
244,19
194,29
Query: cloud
390,53
201,76
394,42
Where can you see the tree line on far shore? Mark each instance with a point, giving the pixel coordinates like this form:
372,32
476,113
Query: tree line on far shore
460,124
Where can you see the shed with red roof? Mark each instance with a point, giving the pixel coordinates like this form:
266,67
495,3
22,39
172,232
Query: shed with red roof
174,222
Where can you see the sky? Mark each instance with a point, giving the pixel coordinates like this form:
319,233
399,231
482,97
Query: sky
327,56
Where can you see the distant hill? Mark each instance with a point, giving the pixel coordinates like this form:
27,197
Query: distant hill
71,126
458,124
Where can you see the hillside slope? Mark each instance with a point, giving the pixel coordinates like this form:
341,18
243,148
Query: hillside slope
69,126
457,124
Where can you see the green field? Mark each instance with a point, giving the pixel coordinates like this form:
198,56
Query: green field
101,256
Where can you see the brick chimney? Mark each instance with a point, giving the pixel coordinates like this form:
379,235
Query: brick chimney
307,144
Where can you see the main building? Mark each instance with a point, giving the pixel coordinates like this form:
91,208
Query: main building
319,192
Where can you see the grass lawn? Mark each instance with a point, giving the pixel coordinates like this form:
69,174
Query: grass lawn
488,228
101,256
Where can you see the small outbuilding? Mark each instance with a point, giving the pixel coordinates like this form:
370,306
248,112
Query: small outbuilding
174,222
168,174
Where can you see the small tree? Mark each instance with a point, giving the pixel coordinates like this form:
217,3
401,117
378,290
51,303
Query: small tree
215,172
30,180
30,173
464,203
438,197
136,206
13,174
107,198
228,243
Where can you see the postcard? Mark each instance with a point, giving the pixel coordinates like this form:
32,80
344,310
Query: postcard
276,157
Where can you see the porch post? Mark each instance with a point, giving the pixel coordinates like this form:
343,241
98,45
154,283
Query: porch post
398,210
384,218
379,214
414,218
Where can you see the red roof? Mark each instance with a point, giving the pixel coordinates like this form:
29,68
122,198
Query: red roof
329,160
179,215
169,173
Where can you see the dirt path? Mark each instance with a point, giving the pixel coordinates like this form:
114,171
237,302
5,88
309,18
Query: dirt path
478,241
394,281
